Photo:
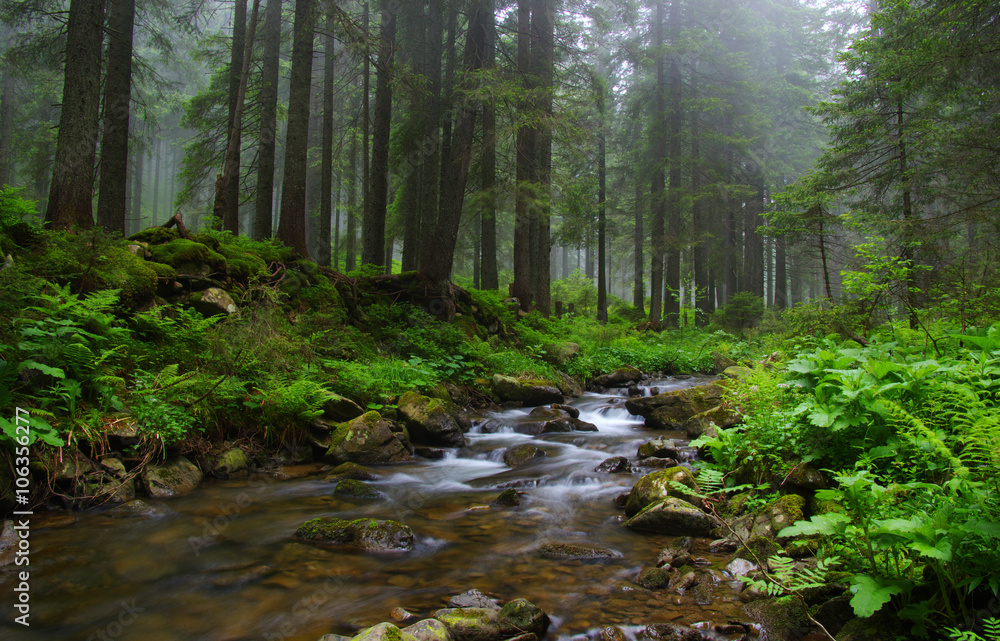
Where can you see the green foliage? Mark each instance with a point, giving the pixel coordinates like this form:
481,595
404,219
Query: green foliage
743,311
17,233
786,577
991,632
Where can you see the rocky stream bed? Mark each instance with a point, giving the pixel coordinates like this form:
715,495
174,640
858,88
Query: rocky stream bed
561,519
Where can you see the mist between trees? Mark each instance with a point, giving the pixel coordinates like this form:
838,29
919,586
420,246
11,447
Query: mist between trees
678,155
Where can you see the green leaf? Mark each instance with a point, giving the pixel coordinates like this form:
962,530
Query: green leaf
825,524
870,595
54,372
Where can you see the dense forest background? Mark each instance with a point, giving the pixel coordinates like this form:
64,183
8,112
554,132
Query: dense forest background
680,155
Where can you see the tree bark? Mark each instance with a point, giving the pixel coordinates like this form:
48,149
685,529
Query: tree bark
264,204
753,243
326,168
658,198
489,275
111,204
602,172
638,239
430,148
365,122
292,225
671,301
780,274
137,192
436,262
7,126
351,241
71,193
521,288
543,63
230,206
373,233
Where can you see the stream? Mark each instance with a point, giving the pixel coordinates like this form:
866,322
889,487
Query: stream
221,565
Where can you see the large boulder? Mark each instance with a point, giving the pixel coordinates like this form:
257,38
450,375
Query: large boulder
568,551
231,463
529,393
521,616
352,471
621,377
339,409
384,632
518,455
352,489
659,448
470,624
369,439
364,534
427,630
560,353
671,410
212,301
673,517
433,421
173,477
657,486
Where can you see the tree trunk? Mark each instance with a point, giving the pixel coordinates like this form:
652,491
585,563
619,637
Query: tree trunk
490,278
658,201
264,204
543,66
909,295
326,169
71,194
703,309
373,233
436,262
602,171
137,192
351,241
753,243
430,148
639,238
7,127
521,288
780,274
117,103
365,121
292,224
230,206
671,301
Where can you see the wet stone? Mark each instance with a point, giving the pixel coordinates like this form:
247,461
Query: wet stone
575,551
614,465
473,599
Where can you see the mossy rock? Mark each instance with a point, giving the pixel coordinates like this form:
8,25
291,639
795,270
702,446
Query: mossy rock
174,477
162,270
364,534
384,632
758,547
520,454
207,240
657,486
674,517
520,616
242,265
368,439
188,257
428,630
354,489
671,410
778,514
432,421
352,471
470,624
231,463
155,235
530,393
570,551
654,578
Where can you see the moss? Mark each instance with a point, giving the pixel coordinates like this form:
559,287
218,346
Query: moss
762,546
181,252
207,240
162,270
155,235
242,265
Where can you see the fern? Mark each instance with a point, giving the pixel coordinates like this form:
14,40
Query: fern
787,578
991,629
917,432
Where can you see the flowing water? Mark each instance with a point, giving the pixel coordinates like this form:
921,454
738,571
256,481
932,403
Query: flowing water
221,564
